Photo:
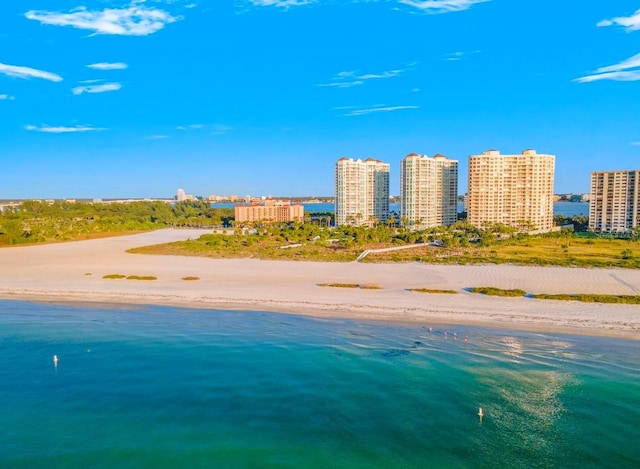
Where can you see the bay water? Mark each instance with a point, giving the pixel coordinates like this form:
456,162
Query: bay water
149,386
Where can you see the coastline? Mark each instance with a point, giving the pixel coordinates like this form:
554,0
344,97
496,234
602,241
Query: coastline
72,272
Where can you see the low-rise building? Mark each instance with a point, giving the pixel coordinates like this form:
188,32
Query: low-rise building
269,211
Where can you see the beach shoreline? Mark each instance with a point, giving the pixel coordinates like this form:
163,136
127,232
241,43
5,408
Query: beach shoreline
73,273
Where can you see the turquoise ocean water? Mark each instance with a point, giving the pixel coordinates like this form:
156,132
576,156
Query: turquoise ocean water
170,387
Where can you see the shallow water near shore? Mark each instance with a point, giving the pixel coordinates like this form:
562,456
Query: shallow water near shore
166,387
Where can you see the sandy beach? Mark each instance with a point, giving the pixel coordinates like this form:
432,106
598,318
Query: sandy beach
74,272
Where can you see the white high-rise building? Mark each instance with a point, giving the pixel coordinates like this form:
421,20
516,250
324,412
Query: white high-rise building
362,191
429,190
516,190
614,203
181,196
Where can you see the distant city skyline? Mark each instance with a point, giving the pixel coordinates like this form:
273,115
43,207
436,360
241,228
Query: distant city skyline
134,98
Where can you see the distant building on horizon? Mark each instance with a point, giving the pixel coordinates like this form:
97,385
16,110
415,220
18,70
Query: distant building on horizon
614,201
516,190
362,191
429,190
270,211
182,197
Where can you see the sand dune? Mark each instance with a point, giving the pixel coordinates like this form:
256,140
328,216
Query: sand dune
73,272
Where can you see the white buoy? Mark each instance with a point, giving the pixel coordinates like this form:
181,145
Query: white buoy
55,360
480,414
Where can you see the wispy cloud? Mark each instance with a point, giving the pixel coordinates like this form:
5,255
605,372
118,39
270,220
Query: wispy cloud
630,23
5,97
349,79
281,3
441,6
157,137
616,72
61,130
96,88
636,143
379,108
190,127
426,6
108,66
455,56
215,129
27,72
135,20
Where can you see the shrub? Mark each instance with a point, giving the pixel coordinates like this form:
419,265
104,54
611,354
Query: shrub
190,278
114,276
432,290
492,291
141,277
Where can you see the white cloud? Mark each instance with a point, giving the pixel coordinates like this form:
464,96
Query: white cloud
157,137
190,127
135,20
280,3
26,72
630,23
636,143
441,6
108,66
349,79
6,97
616,72
361,112
61,130
96,88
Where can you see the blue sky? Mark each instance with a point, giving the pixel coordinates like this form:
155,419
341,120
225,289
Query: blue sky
120,98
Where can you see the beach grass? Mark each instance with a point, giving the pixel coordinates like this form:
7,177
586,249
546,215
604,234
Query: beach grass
114,276
432,290
589,298
141,277
190,278
366,286
492,291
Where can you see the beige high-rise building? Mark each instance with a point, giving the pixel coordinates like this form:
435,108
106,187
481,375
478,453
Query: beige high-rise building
362,191
429,190
516,190
614,205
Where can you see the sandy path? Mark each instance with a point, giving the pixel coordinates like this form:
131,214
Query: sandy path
60,272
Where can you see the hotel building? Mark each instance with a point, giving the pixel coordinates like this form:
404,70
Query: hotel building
429,190
614,205
516,190
362,191
270,211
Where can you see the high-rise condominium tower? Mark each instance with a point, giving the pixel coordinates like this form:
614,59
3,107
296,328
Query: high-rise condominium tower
429,190
362,191
614,205
516,190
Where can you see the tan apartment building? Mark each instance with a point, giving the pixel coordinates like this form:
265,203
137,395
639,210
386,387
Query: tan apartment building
362,191
270,211
429,190
614,205
516,190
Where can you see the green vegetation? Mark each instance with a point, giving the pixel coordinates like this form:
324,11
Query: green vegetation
190,279
141,277
432,290
498,291
351,285
587,298
114,276
38,222
460,243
